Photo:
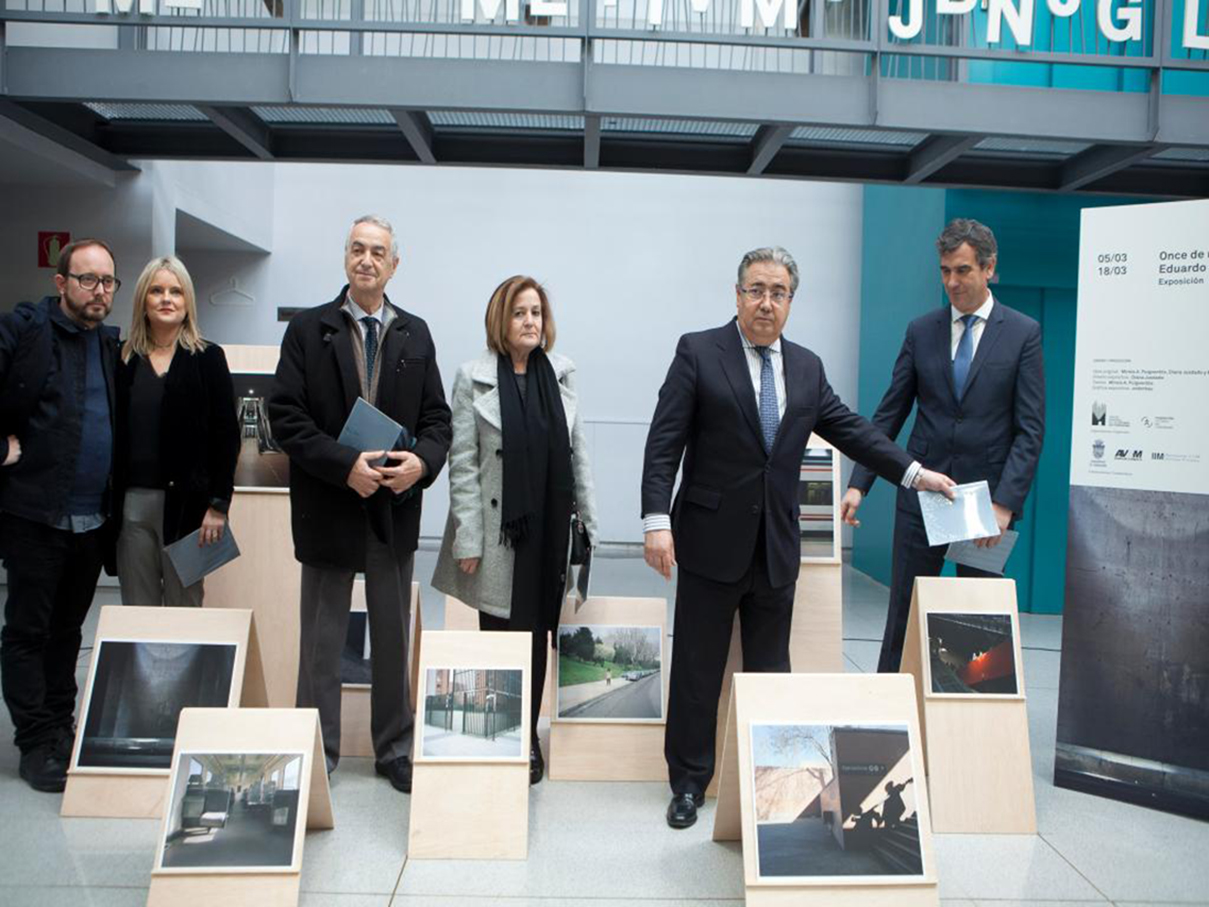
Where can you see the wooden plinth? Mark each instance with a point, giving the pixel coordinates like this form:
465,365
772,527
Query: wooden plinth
139,793
466,809
980,770
830,699
612,751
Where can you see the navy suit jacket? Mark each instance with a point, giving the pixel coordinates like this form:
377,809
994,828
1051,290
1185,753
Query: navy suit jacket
729,487
995,431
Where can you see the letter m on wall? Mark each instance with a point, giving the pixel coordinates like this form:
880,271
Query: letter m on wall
768,13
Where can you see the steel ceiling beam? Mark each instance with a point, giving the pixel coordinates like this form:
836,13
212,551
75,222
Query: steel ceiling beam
417,129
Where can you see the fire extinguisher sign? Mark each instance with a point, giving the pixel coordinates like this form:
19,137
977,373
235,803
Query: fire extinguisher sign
50,244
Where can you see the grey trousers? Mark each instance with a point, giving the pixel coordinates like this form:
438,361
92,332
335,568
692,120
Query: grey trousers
326,599
145,572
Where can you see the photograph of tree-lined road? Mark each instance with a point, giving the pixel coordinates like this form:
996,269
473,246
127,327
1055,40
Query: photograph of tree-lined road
610,673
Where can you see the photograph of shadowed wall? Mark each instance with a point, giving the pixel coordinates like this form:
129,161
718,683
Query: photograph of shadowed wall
972,653
834,800
138,692
233,810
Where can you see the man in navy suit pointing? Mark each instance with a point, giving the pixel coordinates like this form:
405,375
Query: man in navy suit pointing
734,414
974,370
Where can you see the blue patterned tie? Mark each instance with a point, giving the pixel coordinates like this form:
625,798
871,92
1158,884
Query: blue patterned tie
965,355
770,417
371,346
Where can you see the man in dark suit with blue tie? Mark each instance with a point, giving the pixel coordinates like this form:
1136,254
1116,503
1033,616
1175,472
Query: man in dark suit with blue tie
974,370
738,405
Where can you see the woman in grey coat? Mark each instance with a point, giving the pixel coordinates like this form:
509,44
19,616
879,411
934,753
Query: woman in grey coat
518,469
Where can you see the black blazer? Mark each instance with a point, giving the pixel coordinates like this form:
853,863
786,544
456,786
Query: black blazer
707,412
314,391
199,438
995,431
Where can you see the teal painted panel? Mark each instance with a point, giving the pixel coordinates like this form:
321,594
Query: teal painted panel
899,281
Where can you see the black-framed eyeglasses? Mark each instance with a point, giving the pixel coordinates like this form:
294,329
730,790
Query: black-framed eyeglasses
777,294
90,282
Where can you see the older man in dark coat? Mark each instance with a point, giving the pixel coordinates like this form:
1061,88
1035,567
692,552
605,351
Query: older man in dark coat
348,515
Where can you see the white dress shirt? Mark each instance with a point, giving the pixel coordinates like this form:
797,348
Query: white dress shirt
957,327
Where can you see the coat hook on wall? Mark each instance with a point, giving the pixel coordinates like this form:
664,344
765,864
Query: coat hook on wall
232,295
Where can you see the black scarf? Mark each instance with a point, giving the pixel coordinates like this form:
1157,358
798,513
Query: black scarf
538,489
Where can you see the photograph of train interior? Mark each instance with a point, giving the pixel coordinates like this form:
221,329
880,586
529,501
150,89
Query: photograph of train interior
233,810
816,499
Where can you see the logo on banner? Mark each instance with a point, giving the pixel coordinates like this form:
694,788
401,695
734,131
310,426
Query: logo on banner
1127,454
1099,413
1097,449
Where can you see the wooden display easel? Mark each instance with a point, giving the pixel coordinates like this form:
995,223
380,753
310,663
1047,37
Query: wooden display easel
355,737
249,731
612,751
459,616
468,810
816,638
835,699
139,793
980,770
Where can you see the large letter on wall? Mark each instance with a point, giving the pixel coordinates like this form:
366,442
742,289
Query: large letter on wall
1063,8
547,7
1130,15
905,31
1019,20
491,9
1192,40
768,13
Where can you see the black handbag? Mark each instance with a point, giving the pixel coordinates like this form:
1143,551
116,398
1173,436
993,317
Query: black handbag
580,543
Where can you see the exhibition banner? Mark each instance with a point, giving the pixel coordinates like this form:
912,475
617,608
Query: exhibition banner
1132,722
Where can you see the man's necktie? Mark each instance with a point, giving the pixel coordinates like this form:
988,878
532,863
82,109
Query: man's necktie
770,417
965,355
371,346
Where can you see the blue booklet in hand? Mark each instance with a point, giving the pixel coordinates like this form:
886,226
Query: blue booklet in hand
193,561
368,428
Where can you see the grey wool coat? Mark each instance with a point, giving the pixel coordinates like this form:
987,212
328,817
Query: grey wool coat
476,479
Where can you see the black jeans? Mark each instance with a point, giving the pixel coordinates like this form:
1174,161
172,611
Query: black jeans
52,576
537,665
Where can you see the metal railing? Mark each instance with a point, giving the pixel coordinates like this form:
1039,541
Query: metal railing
840,37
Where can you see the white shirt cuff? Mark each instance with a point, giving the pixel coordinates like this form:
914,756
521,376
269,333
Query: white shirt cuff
653,521
908,479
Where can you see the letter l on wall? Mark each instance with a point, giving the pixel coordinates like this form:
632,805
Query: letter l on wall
1192,40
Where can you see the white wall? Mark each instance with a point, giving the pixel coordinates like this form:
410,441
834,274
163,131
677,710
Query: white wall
631,262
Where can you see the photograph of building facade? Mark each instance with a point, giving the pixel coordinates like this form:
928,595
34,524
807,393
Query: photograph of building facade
472,713
817,502
834,800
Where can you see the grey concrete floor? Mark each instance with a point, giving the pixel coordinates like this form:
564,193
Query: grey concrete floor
607,845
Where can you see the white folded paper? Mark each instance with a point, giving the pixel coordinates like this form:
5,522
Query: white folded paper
968,516
992,560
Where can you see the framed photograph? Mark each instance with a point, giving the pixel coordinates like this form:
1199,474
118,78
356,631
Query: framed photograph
233,812
818,505
262,464
835,802
609,673
136,692
473,714
971,655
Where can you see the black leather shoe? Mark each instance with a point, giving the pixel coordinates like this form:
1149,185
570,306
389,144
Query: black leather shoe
537,765
397,772
682,811
43,770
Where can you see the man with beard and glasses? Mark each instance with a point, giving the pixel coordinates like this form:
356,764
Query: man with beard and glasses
57,364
